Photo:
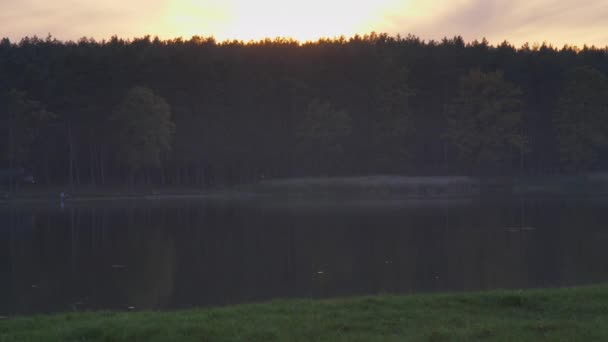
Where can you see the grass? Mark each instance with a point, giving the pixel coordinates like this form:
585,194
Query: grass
574,314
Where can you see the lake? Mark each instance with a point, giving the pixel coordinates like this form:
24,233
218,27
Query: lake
171,254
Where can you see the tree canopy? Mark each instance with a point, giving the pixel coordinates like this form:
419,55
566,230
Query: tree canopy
201,112
22,121
142,128
484,119
581,117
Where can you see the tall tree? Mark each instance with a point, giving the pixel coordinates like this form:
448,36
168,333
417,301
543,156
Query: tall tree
22,119
144,129
392,127
484,120
321,134
581,119
257,94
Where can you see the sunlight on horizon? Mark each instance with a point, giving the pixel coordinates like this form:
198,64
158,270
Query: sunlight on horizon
304,21
517,21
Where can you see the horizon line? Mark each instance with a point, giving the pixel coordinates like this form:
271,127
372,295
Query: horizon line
286,39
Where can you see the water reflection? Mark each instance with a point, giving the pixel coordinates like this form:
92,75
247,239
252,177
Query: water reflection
158,255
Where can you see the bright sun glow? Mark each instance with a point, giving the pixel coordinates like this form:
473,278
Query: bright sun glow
251,20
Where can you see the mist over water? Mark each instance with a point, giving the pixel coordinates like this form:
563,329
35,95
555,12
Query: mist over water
179,254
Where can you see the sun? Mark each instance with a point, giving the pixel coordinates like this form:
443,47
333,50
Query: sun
253,20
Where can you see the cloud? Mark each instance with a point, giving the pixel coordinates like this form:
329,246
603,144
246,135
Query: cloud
518,21
72,19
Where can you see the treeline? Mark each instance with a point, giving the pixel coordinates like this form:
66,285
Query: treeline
200,112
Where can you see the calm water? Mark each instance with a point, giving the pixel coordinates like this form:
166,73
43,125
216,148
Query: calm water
179,254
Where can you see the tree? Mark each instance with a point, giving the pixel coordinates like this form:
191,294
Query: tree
581,117
144,130
321,133
391,127
484,119
394,89
22,120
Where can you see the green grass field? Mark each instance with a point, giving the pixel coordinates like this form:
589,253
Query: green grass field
577,314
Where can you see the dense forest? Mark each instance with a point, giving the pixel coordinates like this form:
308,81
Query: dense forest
199,112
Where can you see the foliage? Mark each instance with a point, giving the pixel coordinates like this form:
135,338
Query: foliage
391,132
321,133
581,117
144,128
21,119
323,128
238,107
484,120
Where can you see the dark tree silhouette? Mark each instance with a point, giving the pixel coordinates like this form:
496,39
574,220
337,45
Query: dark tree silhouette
143,130
372,104
581,118
484,120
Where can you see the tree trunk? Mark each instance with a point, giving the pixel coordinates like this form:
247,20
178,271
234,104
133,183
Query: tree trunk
77,170
11,157
71,159
131,178
521,160
92,166
445,158
101,166
47,177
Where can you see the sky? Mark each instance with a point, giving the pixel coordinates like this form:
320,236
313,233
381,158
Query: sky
559,22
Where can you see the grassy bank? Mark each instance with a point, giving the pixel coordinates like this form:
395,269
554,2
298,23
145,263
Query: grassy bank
578,314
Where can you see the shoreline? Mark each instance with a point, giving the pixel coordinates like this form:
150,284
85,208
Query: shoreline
574,314
412,188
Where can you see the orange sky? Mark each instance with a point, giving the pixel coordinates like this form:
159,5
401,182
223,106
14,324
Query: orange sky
519,21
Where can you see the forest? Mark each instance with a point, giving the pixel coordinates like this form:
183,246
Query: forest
198,112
